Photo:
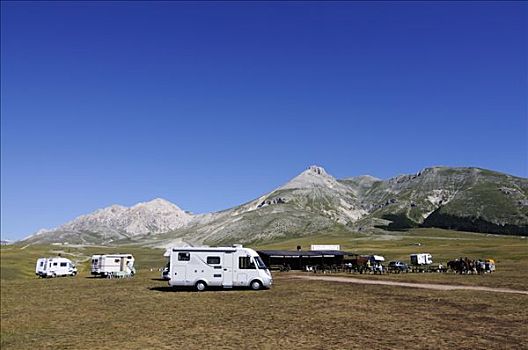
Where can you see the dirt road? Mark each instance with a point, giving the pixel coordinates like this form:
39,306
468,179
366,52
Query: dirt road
410,285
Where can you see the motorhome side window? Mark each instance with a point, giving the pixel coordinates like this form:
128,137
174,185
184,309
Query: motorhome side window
244,262
54,264
184,256
213,260
117,260
63,264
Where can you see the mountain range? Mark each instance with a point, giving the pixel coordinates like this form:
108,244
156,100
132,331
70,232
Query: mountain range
468,199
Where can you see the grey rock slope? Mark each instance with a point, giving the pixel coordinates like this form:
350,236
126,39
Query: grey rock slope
117,223
310,203
470,199
315,202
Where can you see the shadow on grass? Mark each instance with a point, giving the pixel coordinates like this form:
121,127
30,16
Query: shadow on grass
158,279
191,289
172,289
108,278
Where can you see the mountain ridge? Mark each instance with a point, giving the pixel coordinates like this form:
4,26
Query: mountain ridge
118,222
465,198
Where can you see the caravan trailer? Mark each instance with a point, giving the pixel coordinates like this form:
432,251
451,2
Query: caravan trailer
55,267
113,265
227,267
421,259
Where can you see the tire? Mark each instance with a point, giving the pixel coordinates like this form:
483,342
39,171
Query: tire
200,286
255,285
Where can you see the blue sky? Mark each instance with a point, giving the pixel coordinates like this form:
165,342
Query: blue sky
210,105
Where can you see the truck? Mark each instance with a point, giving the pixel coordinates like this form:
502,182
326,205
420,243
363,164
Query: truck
113,265
55,267
223,267
421,259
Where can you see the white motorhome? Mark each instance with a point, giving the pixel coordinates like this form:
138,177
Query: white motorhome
421,259
113,265
55,267
226,267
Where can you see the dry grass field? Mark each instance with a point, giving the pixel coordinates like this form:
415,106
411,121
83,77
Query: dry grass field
143,313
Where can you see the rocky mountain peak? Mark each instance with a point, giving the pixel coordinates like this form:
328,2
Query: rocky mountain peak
152,217
314,176
159,201
157,204
317,170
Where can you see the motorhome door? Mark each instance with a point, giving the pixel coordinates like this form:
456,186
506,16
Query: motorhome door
179,268
228,270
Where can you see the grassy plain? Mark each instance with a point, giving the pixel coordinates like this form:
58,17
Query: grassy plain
510,253
143,313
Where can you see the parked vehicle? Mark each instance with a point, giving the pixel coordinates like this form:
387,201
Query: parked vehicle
376,263
366,264
376,258
165,273
397,266
55,267
421,259
227,267
113,265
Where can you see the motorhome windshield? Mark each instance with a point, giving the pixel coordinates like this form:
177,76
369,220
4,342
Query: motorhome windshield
260,263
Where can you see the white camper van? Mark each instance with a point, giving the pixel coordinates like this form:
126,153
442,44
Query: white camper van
421,259
225,267
113,265
55,267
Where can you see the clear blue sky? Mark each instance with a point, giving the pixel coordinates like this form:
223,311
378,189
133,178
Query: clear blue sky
210,105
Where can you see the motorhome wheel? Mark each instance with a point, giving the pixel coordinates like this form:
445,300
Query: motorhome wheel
200,286
256,285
